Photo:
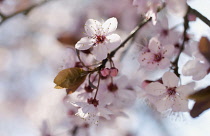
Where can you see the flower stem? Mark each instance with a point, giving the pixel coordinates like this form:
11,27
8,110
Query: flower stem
199,15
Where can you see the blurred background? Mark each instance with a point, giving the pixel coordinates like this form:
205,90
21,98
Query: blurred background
33,49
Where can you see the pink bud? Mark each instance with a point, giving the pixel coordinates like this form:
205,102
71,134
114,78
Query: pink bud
105,72
113,72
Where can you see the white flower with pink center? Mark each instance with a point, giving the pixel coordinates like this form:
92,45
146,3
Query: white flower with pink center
169,95
92,110
156,55
100,37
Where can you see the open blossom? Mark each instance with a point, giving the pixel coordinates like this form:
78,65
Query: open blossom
92,110
199,67
156,55
169,95
100,37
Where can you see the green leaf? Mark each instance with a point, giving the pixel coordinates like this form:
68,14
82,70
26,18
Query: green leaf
202,101
70,79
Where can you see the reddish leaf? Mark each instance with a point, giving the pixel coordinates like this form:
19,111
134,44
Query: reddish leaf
204,47
202,101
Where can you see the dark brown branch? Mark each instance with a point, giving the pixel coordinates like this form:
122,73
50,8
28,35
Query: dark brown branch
185,38
199,15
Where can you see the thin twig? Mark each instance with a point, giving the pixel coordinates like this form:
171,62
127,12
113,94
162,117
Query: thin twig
24,11
199,15
186,26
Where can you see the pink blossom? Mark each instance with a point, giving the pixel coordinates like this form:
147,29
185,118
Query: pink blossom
169,95
113,72
100,37
157,55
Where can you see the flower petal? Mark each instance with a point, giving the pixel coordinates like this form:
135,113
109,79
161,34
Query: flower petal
100,52
163,104
168,50
170,79
154,45
92,27
114,41
155,88
84,43
164,63
180,105
110,25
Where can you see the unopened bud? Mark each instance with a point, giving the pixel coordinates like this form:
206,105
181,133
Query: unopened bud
113,72
105,72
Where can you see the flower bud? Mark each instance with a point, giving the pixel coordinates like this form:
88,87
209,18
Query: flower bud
105,72
113,72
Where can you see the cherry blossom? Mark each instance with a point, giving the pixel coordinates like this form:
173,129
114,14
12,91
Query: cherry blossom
169,95
156,55
92,110
198,67
100,36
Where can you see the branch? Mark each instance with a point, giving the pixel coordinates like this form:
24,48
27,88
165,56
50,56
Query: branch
199,15
24,11
186,26
133,32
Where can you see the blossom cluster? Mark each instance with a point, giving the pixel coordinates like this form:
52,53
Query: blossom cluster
107,92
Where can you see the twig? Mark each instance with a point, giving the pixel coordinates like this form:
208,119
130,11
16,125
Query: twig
186,26
199,15
24,11
135,30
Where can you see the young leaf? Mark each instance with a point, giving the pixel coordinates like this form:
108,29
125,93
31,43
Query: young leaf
70,79
202,101
204,47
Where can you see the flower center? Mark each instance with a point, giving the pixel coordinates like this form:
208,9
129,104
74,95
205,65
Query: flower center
88,89
93,101
157,57
112,87
100,39
164,32
171,91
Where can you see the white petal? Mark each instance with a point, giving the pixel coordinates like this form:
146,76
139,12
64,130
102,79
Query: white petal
154,45
92,27
155,88
170,79
180,104
114,41
84,43
100,52
110,25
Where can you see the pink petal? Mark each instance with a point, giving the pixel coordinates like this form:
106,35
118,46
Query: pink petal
170,79
164,63
168,51
163,104
155,88
109,26
84,43
180,104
